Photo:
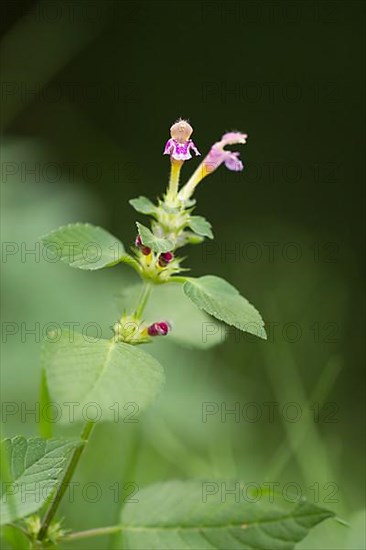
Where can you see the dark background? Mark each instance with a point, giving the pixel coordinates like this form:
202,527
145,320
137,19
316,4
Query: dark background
90,89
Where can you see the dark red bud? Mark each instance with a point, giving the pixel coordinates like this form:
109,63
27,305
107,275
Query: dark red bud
144,249
159,329
165,258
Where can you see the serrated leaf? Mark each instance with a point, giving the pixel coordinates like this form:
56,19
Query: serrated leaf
190,326
223,301
201,226
190,515
156,244
35,466
111,375
143,205
84,246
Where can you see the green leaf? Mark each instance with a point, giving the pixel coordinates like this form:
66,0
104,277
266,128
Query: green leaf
84,246
223,301
35,466
103,378
190,326
143,205
198,516
155,243
201,226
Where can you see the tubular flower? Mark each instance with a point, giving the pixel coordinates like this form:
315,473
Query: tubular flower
216,156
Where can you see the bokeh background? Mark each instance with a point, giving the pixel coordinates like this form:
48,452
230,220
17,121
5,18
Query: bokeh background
89,90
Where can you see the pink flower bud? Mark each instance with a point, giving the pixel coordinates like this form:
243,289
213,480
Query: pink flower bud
165,258
144,249
159,329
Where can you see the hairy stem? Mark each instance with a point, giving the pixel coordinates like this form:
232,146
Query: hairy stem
144,296
61,489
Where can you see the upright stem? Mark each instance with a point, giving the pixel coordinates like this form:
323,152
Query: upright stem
69,472
144,296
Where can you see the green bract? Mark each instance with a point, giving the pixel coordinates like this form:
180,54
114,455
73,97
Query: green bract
157,244
201,226
143,205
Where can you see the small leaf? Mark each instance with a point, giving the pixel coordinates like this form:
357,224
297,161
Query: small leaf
84,246
102,378
193,515
223,301
35,467
201,226
143,205
155,243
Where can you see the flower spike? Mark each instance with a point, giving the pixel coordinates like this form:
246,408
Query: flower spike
216,156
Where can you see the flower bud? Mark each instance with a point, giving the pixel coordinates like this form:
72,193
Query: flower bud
159,329
165,258
181,131
180,145
144,249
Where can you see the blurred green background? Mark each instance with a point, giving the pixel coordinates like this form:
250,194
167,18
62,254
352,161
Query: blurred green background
89,90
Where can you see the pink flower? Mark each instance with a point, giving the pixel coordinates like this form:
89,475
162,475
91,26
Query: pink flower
216,156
